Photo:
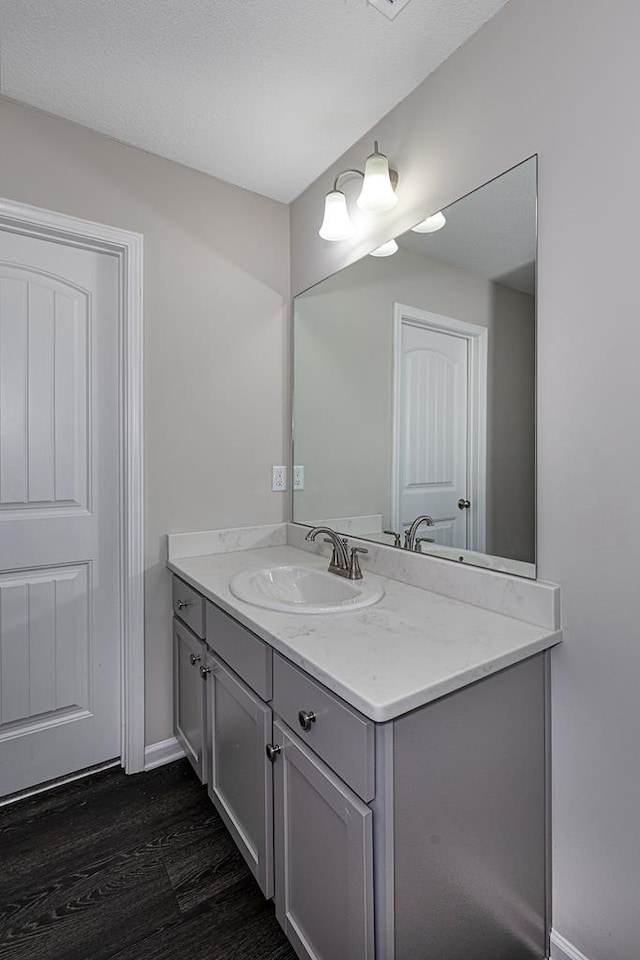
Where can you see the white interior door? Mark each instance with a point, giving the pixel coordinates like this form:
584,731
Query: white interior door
432,440
60,609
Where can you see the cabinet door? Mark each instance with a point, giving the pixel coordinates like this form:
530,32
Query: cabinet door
323,857
188,696
240,775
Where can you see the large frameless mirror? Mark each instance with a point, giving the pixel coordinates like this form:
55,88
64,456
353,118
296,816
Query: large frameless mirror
414,385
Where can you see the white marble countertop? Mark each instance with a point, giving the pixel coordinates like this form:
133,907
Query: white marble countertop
408,649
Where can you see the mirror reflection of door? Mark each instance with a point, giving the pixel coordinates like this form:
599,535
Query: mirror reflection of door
440,412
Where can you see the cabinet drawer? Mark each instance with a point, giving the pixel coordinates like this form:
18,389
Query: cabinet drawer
245,653
189,606
340,735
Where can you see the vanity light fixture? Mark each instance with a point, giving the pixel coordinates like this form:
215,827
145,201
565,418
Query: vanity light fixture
431,224
377,195
336,224
385,250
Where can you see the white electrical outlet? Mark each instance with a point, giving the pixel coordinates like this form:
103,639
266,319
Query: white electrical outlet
298,477
278,479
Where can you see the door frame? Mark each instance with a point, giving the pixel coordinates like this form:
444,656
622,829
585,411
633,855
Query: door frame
127,247
477,338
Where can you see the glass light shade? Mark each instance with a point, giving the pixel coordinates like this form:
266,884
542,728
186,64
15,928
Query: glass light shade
431,224
336,224
385,250
377,194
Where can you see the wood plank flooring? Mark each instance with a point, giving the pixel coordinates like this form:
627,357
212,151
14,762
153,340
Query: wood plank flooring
129,868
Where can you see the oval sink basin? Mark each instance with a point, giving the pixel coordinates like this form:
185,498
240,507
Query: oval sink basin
295,589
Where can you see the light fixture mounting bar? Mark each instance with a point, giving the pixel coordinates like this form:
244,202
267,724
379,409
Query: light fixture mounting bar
346,173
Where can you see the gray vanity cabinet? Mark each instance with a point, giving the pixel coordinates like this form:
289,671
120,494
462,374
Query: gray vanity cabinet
323,841
240,775
460,827
448,800
189,708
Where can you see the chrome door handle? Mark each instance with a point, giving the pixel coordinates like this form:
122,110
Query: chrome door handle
204,672
306,719
184,603
194,658
463,503
273,749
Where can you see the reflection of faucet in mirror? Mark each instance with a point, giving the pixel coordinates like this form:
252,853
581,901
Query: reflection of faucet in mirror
342,564
420,541
395,535
410,535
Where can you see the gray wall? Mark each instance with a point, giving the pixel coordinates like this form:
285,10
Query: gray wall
560,79
344,362
216,288
511,449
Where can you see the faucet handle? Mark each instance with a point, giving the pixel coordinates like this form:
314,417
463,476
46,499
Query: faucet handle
355,573
420,541
395,535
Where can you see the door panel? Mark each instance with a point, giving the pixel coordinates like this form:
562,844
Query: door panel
44,392
433,431
323,856
59,510
189,719
44,646
240,775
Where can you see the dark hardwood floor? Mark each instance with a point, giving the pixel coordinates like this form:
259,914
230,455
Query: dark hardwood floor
129,868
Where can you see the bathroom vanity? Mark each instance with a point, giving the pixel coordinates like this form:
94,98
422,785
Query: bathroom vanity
383,772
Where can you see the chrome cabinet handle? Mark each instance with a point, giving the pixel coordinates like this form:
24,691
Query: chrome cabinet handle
204,672
184,603
194,658
463,503
306,719
273,749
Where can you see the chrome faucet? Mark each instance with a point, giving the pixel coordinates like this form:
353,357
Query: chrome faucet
410,534
342,563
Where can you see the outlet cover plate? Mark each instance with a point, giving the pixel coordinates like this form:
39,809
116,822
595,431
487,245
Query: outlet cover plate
298,477
278,479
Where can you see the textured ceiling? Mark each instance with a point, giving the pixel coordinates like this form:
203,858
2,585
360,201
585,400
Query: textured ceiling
491,232
263,95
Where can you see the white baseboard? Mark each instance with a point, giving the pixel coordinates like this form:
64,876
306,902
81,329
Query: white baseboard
164,751
561,949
